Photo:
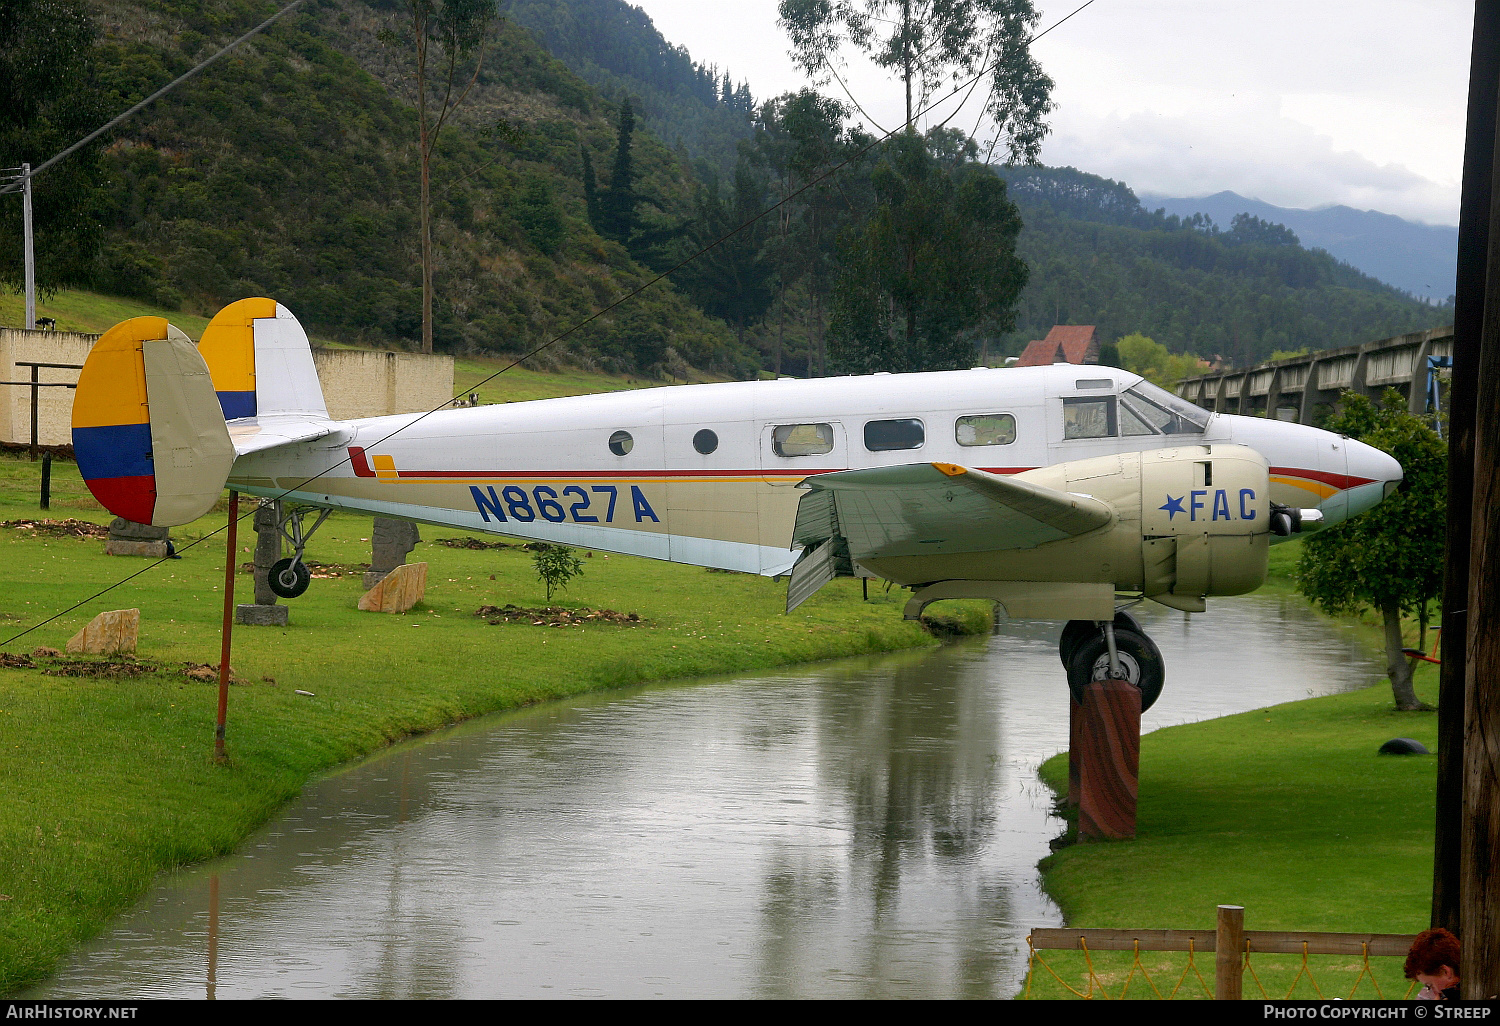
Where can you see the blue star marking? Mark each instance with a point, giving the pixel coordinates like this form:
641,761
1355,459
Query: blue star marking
1173,507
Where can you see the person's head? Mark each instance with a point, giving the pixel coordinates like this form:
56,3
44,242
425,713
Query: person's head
1433,959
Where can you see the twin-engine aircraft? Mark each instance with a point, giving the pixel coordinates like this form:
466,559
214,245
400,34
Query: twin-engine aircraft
1056,492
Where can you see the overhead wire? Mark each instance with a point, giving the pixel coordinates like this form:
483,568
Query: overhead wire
811,183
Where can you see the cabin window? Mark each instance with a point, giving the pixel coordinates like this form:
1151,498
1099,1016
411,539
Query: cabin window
620,443
888,435
1165,412
1089,417
986,429
802,439
705,441
1083,383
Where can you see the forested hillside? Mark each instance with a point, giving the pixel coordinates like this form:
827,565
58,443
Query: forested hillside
615,48
289,169
1097,256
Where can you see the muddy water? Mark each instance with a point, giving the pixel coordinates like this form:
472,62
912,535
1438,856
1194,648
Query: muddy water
868,828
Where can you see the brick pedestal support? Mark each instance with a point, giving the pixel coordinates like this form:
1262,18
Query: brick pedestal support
1106,747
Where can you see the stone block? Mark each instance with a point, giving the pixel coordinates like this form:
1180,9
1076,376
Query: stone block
401,589
391,541
249,615
109,633
267,551
374,577
129,530
126,547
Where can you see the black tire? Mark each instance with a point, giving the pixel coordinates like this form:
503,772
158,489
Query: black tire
1140,661
288,577
1080,630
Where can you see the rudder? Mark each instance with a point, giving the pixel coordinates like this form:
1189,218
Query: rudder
261,362
148,431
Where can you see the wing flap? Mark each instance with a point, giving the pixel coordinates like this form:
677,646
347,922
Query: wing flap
931,508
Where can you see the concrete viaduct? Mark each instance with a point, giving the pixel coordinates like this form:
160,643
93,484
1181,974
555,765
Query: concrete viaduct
1304,388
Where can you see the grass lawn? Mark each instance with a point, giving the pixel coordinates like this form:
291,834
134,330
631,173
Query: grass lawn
1287,811
108,780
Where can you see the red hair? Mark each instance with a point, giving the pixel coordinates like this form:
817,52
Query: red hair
1432,950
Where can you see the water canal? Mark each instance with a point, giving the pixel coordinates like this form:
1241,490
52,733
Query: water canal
867,828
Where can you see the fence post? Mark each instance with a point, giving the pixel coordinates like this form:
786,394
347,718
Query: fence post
1229,954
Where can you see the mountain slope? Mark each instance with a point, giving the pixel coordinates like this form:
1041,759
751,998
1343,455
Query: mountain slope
289,169
1097,256
1416,258
615,48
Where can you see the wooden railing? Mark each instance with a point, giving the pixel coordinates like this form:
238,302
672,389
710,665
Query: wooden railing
1230,942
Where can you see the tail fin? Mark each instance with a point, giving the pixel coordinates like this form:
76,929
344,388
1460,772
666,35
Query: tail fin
147,428
261,362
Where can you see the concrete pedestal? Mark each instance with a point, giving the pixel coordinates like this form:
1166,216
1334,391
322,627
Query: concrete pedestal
260,616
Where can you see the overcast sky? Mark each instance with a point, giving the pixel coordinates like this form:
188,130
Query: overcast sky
1301,104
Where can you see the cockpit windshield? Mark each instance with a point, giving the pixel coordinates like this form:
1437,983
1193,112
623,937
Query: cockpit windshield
1161,411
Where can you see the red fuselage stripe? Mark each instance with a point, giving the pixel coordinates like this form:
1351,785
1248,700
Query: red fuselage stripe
1339,481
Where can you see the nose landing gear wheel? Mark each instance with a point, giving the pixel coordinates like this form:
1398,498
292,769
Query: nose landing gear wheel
1081,630
1140,663
289,577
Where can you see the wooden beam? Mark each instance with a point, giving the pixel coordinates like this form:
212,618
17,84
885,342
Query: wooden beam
1271,942
1479,859
1468,321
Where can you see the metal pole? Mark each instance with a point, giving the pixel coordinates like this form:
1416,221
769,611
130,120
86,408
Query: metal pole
226,634
30,265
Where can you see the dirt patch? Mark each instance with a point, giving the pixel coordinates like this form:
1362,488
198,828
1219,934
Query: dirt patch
556,616
16,662
69,528
98,668
208,673
471,543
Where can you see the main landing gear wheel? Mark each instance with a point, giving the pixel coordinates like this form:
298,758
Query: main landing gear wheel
1140,663
289,577
1081,630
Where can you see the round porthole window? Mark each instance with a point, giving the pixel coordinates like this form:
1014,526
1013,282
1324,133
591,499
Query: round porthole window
620,443
705,441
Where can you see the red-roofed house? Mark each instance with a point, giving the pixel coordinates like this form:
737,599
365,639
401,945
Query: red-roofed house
1065,343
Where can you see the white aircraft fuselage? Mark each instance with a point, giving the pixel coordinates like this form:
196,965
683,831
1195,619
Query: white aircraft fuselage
707,474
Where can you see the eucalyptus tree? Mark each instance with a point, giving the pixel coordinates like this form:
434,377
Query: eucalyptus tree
444,42
933,262
929,42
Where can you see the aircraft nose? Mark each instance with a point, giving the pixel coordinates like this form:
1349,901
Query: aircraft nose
1380,468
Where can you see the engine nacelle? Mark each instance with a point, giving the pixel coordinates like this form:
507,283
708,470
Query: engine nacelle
1193,521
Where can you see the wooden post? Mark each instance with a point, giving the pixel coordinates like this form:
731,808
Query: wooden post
1229,954
46,480
227,632
1468,324
1479,859
1109,760
1075,748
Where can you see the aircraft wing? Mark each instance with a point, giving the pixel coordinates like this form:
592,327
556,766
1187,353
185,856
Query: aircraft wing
253,434
926,508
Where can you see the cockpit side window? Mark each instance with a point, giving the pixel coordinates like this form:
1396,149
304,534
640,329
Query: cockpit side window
1091,416
1163,411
